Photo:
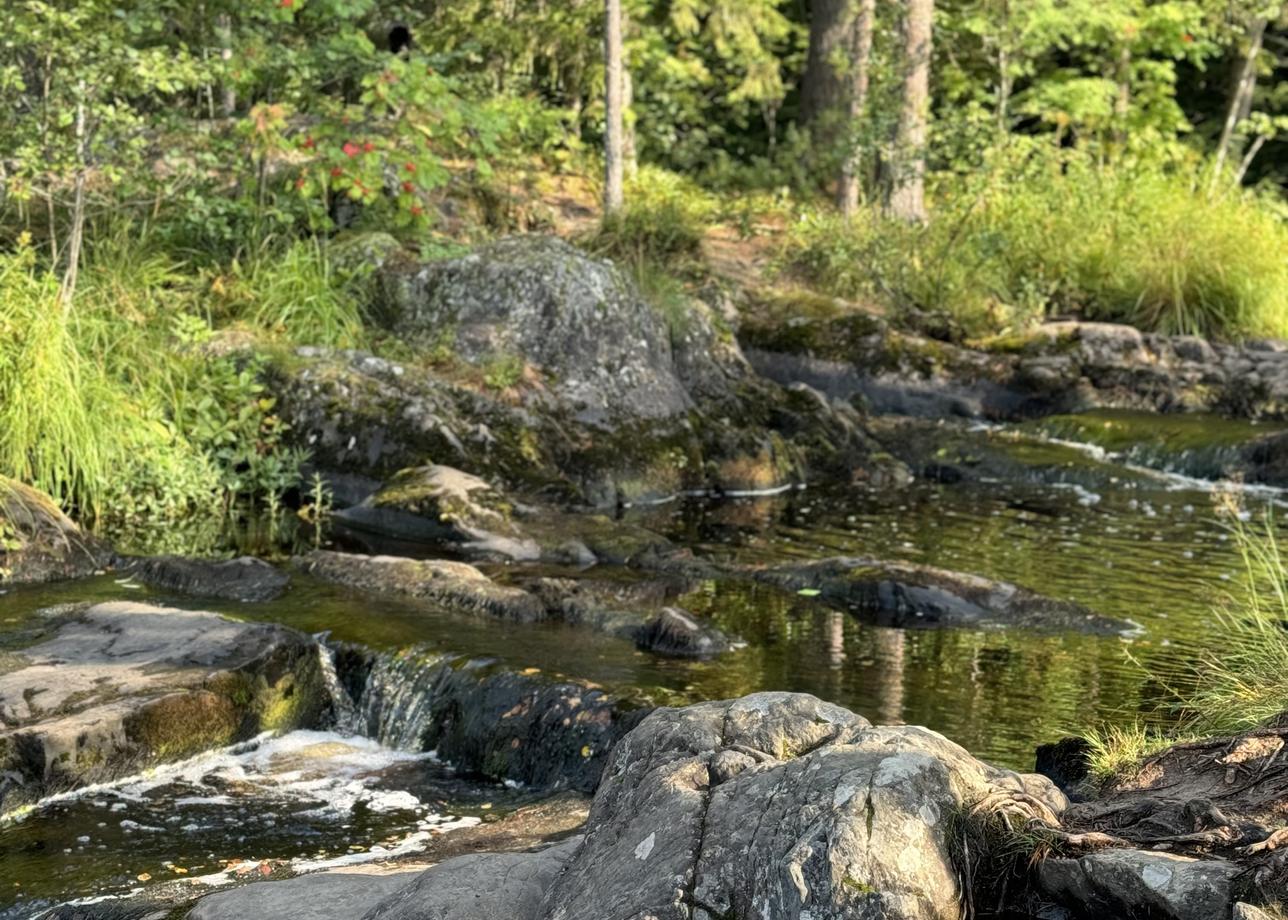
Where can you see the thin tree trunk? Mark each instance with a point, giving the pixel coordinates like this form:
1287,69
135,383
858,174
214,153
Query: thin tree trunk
907,198
613,185
1005,80
1248,158
630,158
1122,105
76,235
847,192
224,29
1240,96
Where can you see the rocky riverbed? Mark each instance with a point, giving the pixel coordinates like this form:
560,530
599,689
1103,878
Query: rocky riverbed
533,588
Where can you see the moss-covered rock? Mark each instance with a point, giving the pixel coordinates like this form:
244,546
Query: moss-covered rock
38,542
120,687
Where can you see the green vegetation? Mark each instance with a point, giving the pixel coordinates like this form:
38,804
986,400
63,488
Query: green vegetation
1238,681
1062,234
177,182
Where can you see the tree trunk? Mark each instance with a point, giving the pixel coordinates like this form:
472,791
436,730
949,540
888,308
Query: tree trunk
907,197
630,157
1240,95
76,234
847,193
224,29
1122,105
613,86
823,87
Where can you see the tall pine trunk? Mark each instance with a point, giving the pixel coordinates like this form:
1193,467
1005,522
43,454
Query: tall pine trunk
847,192
823,83
613,86
907,196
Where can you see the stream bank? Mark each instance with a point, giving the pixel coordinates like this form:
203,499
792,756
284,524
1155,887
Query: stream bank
520,577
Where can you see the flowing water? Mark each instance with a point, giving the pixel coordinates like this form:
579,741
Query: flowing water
1089,518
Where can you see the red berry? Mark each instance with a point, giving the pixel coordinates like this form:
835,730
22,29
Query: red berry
409,166
417,210
350,149
336,172
368,147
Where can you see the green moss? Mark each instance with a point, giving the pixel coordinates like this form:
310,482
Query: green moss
855,885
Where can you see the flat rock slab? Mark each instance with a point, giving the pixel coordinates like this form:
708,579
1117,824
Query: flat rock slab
324,896
484,886
123,686
243,579
1140,883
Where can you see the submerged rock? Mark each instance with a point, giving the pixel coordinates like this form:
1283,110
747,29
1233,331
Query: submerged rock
907,595
456,585
38,542
488,720
675,633
243,579
120,687
778,805
439,504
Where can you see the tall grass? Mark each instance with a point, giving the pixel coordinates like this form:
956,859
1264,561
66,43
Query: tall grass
1242,679
56,426
299,294
1136,245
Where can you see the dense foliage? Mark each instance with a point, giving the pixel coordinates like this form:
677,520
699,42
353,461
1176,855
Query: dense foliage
172,171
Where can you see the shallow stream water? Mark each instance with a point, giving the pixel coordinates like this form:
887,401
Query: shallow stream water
1093,523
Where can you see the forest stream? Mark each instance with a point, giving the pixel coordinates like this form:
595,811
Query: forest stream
1117,515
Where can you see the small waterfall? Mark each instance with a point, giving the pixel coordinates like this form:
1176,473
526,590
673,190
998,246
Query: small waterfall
398,698
347,716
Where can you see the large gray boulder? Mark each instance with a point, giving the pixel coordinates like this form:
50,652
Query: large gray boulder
581,322
120,687
781,806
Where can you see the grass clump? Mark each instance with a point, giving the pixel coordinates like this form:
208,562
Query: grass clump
1241,681
664,222
1046,236
1117,750
299,294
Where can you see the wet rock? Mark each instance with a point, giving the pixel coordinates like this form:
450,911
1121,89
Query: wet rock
607,402
1138,883
777,805
39,543
675,633
607,352
120,687
1059,367
906,595
491,721
442,505
243,579
1064,762
111,910
322,896
486,886
456,585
